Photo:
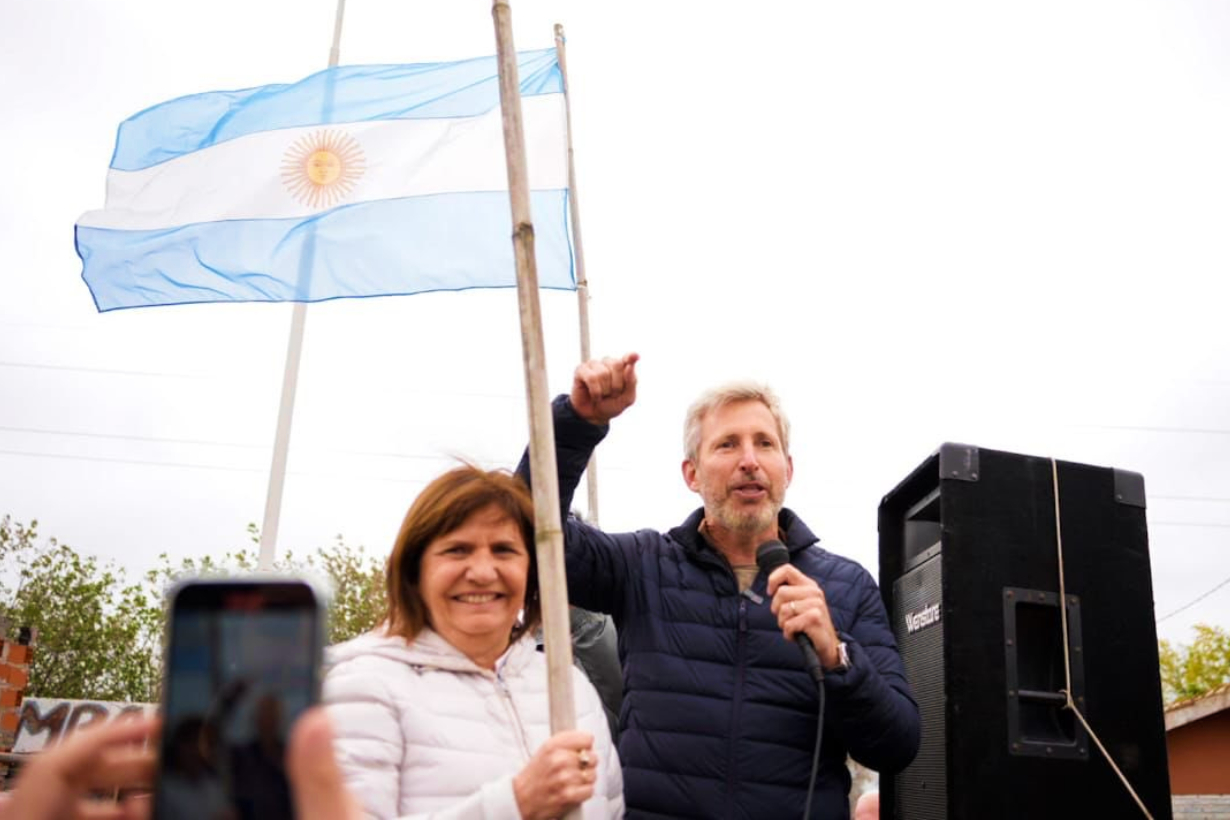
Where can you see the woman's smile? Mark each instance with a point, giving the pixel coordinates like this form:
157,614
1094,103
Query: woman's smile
473,582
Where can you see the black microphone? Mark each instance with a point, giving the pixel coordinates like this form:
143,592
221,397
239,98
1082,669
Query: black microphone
769,556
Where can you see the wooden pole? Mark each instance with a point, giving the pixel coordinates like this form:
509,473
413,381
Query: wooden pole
294,352
549,537
574,210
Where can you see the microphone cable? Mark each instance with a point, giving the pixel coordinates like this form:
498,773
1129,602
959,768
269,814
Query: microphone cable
769,556
815,755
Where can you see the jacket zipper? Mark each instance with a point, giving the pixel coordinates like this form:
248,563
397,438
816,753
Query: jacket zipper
737,704
511,706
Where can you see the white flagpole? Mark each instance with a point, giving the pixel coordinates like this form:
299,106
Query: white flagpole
548,536
574,209
294,351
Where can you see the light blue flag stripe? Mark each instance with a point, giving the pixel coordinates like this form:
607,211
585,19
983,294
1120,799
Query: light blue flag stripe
378,92
381,248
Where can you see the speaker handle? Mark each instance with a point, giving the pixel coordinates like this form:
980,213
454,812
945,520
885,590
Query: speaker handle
1038,723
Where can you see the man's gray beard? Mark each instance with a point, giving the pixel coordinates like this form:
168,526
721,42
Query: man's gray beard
748,523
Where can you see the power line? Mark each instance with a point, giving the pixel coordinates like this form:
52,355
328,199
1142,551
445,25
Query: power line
191,466
434,394
42,325
1216,499
205,443
123,437
187,465
1146,429
1194,601
28,366
133,461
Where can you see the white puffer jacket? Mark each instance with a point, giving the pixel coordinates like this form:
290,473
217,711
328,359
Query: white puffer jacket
423,731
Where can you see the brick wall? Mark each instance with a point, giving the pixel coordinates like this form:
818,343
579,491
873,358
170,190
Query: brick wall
1201,806
15,655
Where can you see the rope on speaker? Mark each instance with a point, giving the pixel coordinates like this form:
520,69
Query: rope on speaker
1067,661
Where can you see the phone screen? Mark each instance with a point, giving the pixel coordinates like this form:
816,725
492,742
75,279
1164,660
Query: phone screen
241,665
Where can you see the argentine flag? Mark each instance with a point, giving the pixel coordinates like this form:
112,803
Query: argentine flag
356,181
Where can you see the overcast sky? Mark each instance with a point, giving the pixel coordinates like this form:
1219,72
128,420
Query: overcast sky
921,222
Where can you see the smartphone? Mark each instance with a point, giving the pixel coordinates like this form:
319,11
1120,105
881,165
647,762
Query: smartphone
242,663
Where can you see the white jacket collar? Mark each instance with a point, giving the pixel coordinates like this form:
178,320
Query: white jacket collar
429,650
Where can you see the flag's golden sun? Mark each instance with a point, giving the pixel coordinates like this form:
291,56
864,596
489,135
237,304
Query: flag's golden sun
321,168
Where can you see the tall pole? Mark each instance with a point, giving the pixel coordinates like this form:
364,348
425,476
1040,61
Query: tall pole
574,210
549,537
294,351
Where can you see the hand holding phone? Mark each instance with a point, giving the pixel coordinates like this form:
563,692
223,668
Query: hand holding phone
320,790
242,663
63,780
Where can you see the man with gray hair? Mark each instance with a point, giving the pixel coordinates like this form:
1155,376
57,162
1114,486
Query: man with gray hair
719,717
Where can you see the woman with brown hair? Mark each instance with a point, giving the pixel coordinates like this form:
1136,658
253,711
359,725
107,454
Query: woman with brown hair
441,711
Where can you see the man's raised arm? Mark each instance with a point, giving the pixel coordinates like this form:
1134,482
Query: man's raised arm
604,388
601,390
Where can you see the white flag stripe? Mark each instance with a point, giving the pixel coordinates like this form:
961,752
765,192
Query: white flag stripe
242,178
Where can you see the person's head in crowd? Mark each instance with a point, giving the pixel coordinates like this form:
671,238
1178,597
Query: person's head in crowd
736,457
736,444
463,602
732,393
463,563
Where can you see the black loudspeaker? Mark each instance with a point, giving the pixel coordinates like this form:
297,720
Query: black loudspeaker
970,573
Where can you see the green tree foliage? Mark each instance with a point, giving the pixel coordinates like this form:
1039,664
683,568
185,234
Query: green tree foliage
97,634
1193,669
353,579
100,637
359,599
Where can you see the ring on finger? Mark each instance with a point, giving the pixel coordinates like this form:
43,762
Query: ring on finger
583,759
794,608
